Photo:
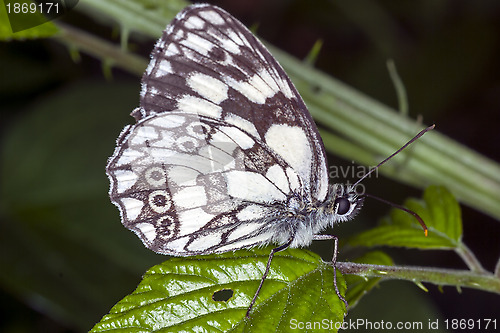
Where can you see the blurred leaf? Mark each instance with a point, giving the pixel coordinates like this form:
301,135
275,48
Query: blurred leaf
358,286
68,254
177,295
439,210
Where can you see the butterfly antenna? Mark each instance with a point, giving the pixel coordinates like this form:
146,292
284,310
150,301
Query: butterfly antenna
422,132
419,219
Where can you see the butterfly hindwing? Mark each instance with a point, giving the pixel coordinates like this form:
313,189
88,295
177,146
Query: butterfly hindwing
189,184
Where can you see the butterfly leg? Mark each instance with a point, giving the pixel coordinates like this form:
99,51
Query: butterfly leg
334,262
268,266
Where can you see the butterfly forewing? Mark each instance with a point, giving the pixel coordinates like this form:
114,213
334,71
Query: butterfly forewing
209,63
224,147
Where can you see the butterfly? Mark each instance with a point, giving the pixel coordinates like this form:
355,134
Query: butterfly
224,154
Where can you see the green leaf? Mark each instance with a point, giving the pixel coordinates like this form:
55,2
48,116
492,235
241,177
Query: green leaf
358,286
439,210
177,295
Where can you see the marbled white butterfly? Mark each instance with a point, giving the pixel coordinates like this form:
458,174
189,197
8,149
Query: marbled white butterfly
224,154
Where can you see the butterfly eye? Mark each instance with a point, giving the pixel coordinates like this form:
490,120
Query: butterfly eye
343,205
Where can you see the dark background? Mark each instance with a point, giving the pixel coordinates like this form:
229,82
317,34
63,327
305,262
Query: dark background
66,259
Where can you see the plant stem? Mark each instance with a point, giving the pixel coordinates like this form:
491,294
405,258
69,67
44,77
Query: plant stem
102,49
450,277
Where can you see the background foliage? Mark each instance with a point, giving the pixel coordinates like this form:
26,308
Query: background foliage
66,260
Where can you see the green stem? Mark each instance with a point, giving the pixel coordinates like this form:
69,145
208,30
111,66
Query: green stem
101,48
398,86
458,278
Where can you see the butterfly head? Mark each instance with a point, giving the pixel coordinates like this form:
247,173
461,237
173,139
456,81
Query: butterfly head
343,203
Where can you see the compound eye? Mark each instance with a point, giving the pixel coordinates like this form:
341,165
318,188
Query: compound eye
343,205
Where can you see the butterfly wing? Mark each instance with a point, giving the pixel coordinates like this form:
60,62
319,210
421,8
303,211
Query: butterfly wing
209,63
188,184
224,146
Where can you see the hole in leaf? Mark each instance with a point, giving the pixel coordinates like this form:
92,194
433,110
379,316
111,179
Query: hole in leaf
222,295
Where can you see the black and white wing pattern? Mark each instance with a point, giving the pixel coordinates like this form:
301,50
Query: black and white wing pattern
224,154
208,63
